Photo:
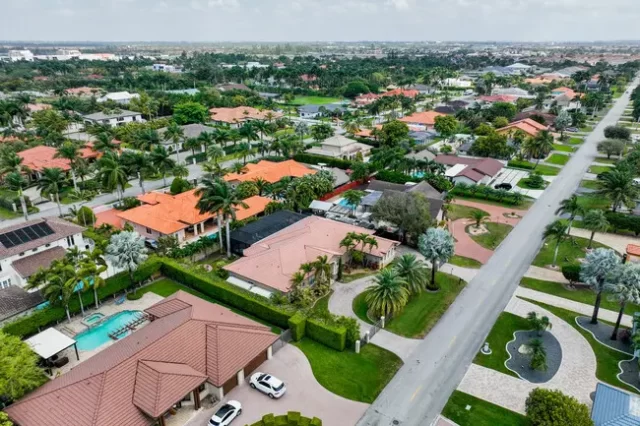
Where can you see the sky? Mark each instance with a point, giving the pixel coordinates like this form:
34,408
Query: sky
319,20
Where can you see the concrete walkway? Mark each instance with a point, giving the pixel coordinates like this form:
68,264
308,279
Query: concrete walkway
576,375
615,241
545,274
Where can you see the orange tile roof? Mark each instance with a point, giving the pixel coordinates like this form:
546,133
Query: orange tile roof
426,117
82,91
41,157
166,213
270,171
527,125
402,92
239,114
109,217
633,249
38,107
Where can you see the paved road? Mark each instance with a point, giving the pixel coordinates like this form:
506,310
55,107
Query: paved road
419,391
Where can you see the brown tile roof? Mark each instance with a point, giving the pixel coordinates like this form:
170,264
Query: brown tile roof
61,229
633,249
159,385
14,300
486,166
27,266
240,114
270,171
207,338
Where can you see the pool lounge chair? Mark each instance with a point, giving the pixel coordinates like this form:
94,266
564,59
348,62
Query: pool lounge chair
120,300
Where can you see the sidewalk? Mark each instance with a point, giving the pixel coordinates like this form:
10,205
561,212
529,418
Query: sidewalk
615,241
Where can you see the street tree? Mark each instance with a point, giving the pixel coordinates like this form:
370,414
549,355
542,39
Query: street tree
595,221
612,147
388,295
623,287
594,271
556,232
437,246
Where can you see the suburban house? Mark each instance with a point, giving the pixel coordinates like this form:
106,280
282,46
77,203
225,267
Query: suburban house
314,111
189,130
270,263
614,407
563,97
244,237
432,195
113,118
514,91
401,92
191,349
424,120
549,119
29,246
365,99
232,86
270,171
122,98
528,126
451,107
489,100
457,82
633,253
163,214
42,157
471,171
234,117
342,147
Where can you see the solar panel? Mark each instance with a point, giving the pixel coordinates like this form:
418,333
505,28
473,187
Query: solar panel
31,233
26,234
5,241
22,236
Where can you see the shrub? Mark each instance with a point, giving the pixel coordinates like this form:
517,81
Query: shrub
331,336
571,273
329,161
179,185
297,325
292,418
487,193
535,180
128,203
553,408
85,216
134,296
624,336
623,222
518,164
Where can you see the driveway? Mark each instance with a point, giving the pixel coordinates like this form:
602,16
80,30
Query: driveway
304,394
512,176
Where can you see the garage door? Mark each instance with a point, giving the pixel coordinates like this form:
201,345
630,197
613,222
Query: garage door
230,384
255,363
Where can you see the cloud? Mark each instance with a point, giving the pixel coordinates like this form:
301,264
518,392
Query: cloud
399,4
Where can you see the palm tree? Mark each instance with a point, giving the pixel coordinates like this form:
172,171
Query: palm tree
538,324
349,243
69,151
51,182
595,221
618,186
221,136
146,139
261,184
112,173
245,150
104,143
162,162
556,231
544,143
138,164
192,144
388,295
11,162
301,129
594,272
215,153
126,250
220,198
238,167
262,127
95,264
206,139
624,288
353,197
436,245
538,355
175,134
322,271
16,182
572,207
57,291
478,216
248,132
180,170
412,270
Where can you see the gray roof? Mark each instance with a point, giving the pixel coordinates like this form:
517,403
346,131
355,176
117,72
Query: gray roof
61,229
433,196
425,154
14,300
190,130
183,92
371,199
27,266
426,189
341,177
115,114
613,407
380,185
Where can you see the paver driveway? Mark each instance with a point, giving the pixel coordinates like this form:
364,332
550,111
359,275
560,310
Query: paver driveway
304,394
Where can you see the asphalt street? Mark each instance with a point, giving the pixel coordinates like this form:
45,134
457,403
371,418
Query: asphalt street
420,390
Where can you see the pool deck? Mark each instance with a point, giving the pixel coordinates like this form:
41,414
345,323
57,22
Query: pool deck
107,309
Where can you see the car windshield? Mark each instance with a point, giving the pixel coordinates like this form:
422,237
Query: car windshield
222,412
277,388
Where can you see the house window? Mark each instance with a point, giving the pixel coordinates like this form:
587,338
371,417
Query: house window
0,267
70,240
149,231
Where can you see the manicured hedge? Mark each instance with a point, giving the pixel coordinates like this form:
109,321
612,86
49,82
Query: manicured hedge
334,337
297,325
487,193
292,418
624,222
571,272
315,159
395,177
521,164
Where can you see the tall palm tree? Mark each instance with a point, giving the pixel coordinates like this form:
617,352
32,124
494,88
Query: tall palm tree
412,270
51,182
595,221
180,170
162,162
261,184
556,231
572,207
617,185
146,139
624,288
112,173
544,143
58,291
322,271
220,198
215,153
138,164
11,162
206,139
192,144
388,295
175,134
262,127
353,197
247,131
104,143
245,150
70,152
595,271
126,250
16,182
95,264
221,136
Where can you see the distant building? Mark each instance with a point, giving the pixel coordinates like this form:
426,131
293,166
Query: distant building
457,82
425,120
314,111
270,171
471,171
167,68
113,118
528,126
122,98
234,117
341,147
20,55
232,86
69,52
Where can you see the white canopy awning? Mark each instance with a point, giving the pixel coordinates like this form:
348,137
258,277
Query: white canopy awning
320,205
49,342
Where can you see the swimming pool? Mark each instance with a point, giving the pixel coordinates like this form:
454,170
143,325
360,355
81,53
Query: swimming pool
344,203
99,335
92,319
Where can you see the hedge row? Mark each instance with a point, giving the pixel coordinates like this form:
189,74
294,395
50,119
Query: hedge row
488,193
32,324
297,325
292,418
521,164
316,159
623,222
9,202
571,272
395,177
334,337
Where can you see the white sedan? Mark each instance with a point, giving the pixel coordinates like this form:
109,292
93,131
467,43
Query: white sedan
268,384
226,414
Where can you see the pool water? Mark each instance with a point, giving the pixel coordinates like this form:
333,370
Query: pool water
344,203
99,335
92,319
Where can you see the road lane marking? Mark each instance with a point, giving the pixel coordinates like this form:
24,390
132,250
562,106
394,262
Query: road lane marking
415,393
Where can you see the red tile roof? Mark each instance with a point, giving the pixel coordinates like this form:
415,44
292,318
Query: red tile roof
527,125
201,336
485,166
401,92
633,249
270,171
498,98
39,158
427,118
240,114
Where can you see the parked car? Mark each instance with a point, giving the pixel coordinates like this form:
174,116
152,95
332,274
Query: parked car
504,185
572,129
226,414
268,384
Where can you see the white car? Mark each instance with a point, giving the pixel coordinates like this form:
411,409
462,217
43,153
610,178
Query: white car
226,414
268,384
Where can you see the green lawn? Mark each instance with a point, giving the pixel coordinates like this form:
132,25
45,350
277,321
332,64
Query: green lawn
607,359
586,128
575,141
591,184
599,169
165,287
423,310
482,413
606,160
524,205
457,211
568,253
492,239
590,202
314,100
9,214
465,262
545,169
499,336
359,377
559,159
580,295
356,275
563,148
524,183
